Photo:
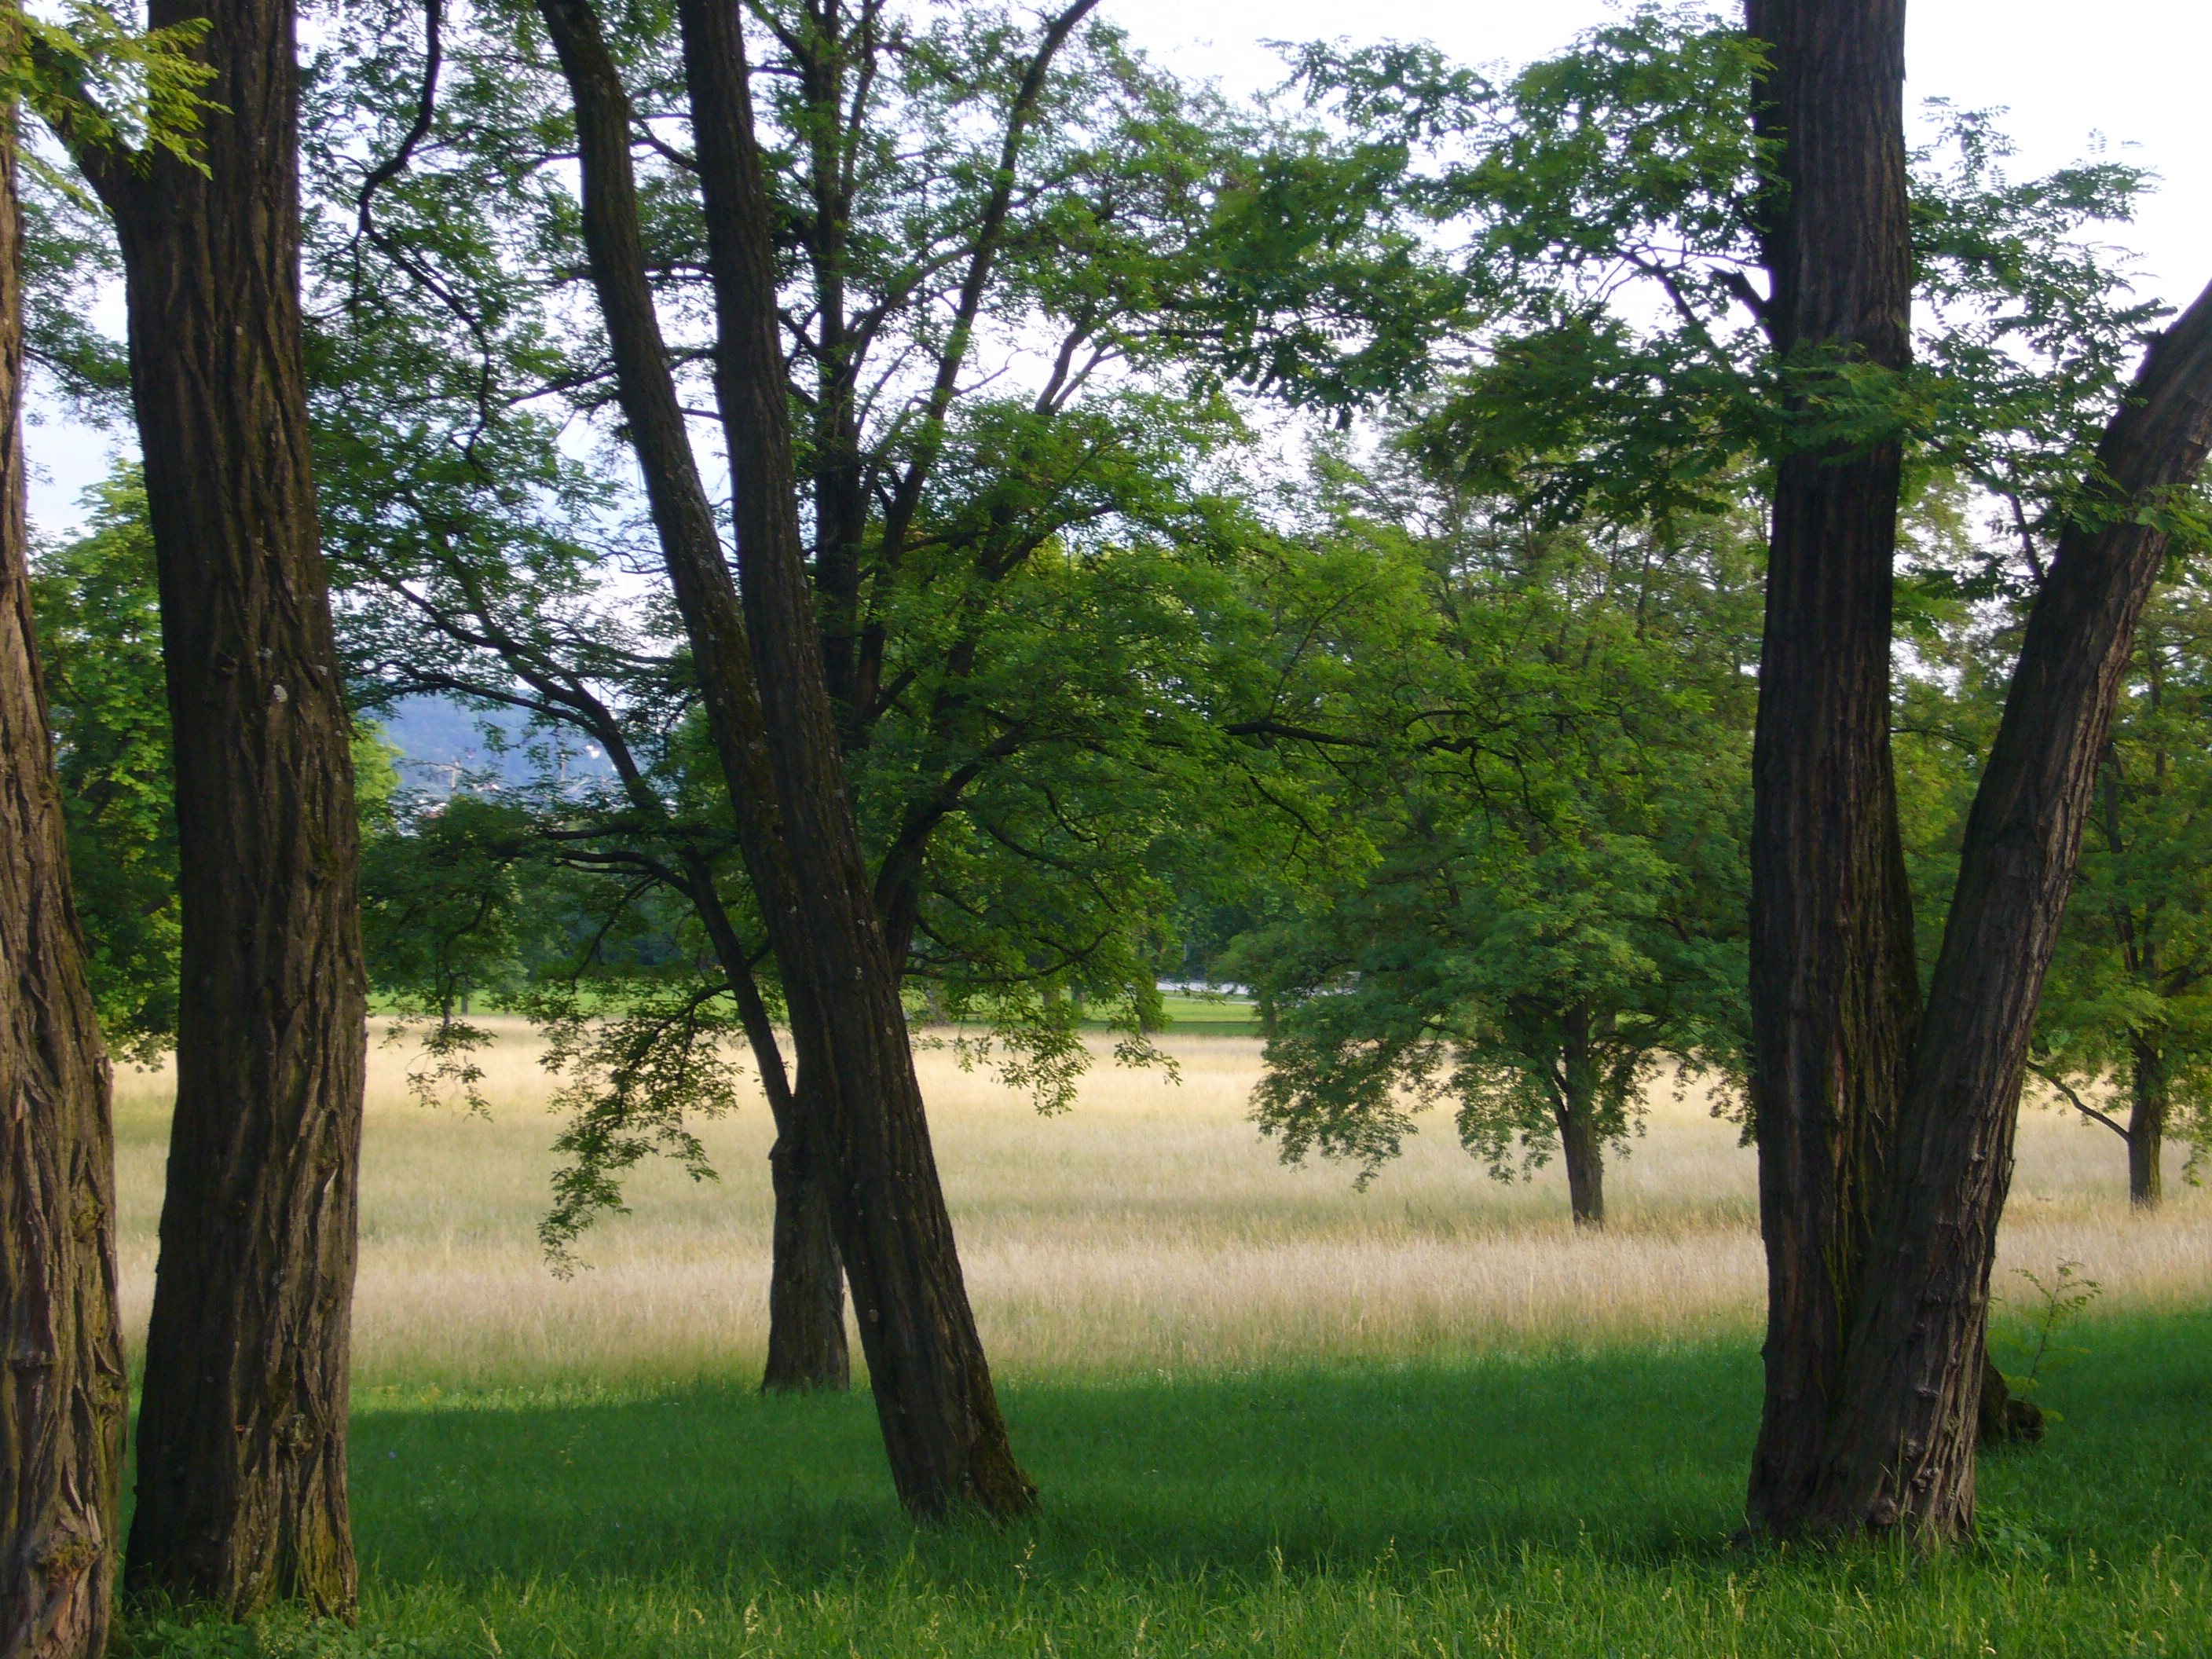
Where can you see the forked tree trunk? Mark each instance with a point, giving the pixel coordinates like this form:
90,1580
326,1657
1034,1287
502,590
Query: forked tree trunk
63,1390
242,1427
2150,1091
1581,1148
1900,1450
1831,965
948,1444
806,1318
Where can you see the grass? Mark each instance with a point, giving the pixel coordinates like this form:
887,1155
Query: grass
1268,1415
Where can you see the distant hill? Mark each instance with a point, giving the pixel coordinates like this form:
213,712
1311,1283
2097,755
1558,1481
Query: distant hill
440,743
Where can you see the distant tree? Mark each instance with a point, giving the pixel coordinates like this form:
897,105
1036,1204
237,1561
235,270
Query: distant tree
1555,909
2130,994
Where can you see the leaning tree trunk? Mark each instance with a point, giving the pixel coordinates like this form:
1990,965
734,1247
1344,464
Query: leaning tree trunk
1900,1450
806,1318
1832,971
947,1441
63,1390
1581,1148
242,1426
2151,1095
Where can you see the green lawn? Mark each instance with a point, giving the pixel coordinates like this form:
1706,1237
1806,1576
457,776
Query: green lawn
1563,1504
1211,1015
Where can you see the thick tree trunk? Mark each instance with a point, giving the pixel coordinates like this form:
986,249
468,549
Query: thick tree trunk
2151,1093
1900,1450
242,1427
1581,1148
806,1307
947,1441
63,1390
1831,964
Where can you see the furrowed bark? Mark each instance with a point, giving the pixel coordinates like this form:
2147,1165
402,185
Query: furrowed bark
947,1442
806,1335
1832,967
242,1495
1900,1450
63,1391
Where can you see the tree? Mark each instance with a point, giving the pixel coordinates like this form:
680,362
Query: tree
1009,802
242,1430
2130,990
63,1392
1879,1117
1833,978
1555,906
1878,1309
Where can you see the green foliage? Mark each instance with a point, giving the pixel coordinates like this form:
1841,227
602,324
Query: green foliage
107,87
98,615
99,624
2130,990
2037,1348
1610,199
1560,746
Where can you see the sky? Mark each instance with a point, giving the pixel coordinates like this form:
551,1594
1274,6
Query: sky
2130,71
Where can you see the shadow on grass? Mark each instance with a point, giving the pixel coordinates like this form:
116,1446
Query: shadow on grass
1635,1455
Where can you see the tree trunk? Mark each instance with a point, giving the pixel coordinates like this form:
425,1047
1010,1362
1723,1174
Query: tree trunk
2152,1092
1580,1147
1900,1452
947,1441
63,1390
806,1347
1831,964
2005,1419
242,1426
806,1304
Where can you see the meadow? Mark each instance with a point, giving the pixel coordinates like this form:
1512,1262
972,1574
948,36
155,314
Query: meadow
1268,1413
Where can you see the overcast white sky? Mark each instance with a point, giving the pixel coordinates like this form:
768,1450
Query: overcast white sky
2132,70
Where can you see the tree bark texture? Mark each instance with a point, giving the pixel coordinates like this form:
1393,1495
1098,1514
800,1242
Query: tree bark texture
242,1427
1832,971
806,1322
947,1441
2150,1091
1900,1450
63,1390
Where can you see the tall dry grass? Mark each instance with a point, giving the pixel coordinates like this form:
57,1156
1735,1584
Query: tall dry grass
1151,1228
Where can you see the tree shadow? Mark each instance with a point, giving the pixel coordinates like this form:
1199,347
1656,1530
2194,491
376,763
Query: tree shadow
1633,1453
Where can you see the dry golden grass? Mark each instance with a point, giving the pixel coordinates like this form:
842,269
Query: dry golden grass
1151,1228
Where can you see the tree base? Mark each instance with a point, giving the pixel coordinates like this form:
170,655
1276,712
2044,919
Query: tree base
2006,1419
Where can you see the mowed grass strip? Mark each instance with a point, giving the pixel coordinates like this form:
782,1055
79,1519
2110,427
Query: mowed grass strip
1535,1505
